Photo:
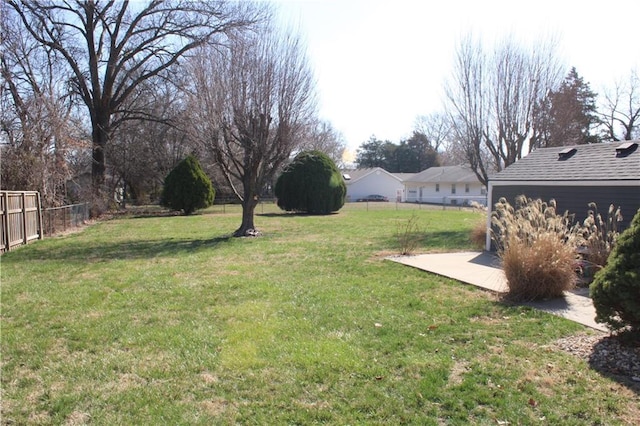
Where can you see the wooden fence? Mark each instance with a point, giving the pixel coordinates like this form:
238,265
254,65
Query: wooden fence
21,217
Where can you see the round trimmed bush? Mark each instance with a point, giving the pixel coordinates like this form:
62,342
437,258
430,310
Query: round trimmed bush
615,290
187,188
312,184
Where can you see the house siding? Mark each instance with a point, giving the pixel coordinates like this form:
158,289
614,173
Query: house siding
575,199
376,182
426,193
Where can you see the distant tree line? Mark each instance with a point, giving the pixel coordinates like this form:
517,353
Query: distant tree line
410,156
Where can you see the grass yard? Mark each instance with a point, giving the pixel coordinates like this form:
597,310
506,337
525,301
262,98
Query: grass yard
166,320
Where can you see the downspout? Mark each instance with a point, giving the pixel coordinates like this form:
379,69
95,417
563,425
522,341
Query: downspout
489,211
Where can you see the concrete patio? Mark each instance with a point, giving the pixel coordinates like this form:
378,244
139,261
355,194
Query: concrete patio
482,269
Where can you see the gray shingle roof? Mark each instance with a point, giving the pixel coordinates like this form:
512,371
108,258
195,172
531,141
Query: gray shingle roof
444,174
403,176
587,163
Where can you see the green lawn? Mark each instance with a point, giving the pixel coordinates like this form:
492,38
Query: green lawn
167,320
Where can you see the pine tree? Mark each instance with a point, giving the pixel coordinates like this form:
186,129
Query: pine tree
570,114
187,188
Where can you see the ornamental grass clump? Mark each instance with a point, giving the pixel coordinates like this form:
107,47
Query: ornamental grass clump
537,270
537,247
478,234
600,235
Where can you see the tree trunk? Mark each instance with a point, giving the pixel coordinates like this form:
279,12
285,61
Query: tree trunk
247,227
100,137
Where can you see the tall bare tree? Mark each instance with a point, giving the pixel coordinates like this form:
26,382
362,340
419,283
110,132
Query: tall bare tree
492,98
251,106
322,136
143,152
112,47
37,124
436,127
620,110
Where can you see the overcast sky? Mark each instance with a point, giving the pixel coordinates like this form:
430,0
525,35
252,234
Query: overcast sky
381,63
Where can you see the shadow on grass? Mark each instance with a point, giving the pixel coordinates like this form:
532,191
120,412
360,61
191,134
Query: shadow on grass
295,214
617,368
139,249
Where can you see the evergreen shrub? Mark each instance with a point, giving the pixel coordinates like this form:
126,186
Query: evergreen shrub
187,188
311,183
615,290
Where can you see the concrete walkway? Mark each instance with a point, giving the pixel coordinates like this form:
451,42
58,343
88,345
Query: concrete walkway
482,269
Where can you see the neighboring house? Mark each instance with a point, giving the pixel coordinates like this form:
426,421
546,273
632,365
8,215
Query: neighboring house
364,182
574,176
457,185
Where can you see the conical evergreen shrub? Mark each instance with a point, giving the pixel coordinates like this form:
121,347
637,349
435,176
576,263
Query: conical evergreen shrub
312,184
187,188
615,290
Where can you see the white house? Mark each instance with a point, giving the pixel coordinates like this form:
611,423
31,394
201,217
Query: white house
364,182
457,185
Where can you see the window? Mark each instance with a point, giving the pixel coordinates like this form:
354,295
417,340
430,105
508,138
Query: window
437,187
466,188
453,188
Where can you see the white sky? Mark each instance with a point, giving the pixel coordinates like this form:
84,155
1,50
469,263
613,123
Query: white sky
381,63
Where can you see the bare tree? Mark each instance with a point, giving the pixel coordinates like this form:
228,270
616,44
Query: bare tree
251,105
112,47
320,135
620,110
143,152
37,126
436,127
491,100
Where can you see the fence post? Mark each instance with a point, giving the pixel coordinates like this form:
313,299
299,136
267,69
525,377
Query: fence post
39,213
5,220
23,207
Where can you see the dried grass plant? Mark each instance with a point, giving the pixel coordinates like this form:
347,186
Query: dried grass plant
600,235
542,269
478,235
409,234
537,247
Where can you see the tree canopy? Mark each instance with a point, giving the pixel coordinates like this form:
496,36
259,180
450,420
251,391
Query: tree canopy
412,155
